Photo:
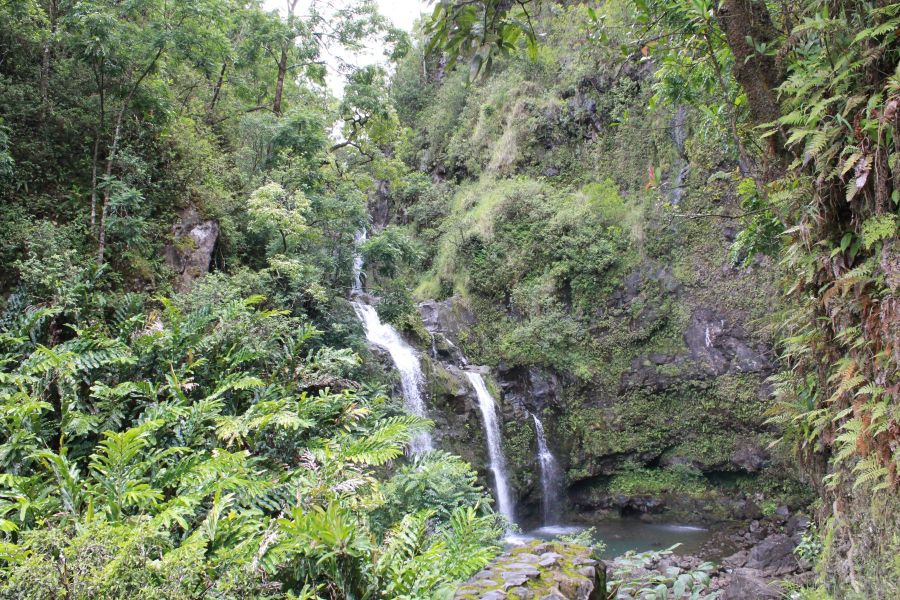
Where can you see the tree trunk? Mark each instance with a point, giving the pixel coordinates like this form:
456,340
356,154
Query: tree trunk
47,50
101,125
111,157
279,83
747,22
216,91
101,238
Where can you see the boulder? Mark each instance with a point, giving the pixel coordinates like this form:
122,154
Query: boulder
775,553
750,456
189,252
747,584
539,570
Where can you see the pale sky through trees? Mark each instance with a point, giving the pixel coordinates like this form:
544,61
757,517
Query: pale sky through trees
402,14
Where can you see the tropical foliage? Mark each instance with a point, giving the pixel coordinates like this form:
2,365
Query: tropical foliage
804,96
227,441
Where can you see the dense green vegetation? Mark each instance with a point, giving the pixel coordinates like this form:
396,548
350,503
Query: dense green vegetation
803,97
226,441
609,196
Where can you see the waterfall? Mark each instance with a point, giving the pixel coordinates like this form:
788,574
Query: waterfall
551,477
407,363
495,452
402,354
359,239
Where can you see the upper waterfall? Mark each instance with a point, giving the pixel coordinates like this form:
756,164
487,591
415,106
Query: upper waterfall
495,452
407,362
404,357
359,239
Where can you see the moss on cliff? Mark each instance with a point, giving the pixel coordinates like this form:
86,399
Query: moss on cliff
561,231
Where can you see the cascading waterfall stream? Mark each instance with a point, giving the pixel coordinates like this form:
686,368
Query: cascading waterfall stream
405,359
495,452
359,239
551,476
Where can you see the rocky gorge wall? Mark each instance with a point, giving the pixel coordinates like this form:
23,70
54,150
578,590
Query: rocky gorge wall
672,425
578,245
682,433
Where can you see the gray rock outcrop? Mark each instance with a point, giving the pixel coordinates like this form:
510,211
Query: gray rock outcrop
190,251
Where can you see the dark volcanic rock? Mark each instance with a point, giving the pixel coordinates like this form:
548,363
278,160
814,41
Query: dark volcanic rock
530,389
776,552
445,320
722,346
750,456
715,346
747,584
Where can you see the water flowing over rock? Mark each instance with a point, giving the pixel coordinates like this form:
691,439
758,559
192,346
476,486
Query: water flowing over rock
551,476
491,424
360,239
407,362
404,357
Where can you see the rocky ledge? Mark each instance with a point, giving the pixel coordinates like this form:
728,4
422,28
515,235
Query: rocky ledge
539,571
766,562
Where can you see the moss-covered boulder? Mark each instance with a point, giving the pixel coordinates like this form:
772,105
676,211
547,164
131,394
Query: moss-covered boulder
539,571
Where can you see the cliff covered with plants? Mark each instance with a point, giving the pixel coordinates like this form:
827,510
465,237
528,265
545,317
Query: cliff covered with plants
589,238
549,264
802,99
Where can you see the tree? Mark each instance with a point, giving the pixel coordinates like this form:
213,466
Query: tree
271,208
123,45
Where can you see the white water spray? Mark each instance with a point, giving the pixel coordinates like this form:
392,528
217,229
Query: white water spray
495,452
551,477
405,359
407,363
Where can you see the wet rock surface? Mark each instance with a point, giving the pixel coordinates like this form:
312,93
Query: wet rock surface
716,345
761,559
539,571
765,557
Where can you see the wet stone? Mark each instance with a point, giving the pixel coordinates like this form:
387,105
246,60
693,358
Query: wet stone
515,578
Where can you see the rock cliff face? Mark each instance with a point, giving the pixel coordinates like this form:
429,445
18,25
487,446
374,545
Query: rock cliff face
582,251
190,251
715,345
713,382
